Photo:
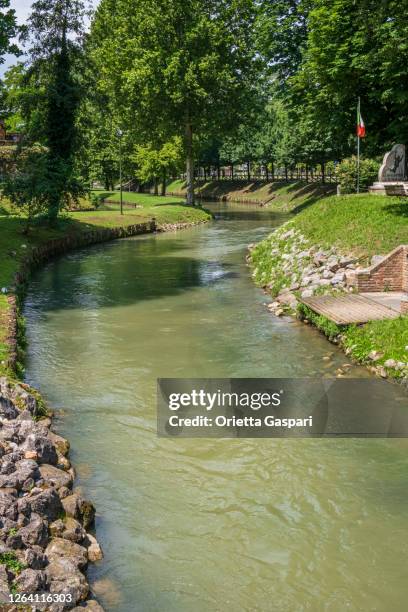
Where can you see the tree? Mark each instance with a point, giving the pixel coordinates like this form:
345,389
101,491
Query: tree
153,163
8,30
56,28
177,67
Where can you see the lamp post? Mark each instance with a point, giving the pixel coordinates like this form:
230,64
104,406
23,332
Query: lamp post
119,134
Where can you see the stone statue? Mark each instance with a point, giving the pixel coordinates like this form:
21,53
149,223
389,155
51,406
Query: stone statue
393,168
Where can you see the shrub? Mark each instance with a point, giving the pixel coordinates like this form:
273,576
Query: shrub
346,173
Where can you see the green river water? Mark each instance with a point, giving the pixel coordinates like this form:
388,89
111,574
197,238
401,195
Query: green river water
208,525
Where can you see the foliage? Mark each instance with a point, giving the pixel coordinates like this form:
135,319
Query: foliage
26,186
175,68
55,28
11,562
327,327
346,173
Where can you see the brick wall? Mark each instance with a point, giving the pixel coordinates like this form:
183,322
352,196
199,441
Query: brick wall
390,274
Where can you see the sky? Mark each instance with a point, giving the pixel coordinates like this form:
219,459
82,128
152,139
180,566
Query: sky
22,8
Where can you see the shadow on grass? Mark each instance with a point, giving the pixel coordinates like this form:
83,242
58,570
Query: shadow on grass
398,208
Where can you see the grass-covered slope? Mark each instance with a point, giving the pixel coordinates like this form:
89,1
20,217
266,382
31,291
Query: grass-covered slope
14,245
360,225
278,195
364,224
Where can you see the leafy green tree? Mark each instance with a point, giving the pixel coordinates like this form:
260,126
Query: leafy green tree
8,30
56,28
153,164
177,67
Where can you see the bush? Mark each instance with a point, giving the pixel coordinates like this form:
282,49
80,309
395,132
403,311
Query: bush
346,173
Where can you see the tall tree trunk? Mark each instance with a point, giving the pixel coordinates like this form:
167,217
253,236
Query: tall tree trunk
205,173
323,173
266,173
189,165
232,171
164,179
218,171
156,186
273,171
248,171
307,173
286,173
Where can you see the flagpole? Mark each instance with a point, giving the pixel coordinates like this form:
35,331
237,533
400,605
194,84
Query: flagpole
358,146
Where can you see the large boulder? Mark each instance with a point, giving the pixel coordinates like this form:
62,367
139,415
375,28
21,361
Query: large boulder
65,578
24,470
8,506
36,532
73,530
31,581
59,547
44,448
80,509
54,476
7,408
94,550
45,503
60,443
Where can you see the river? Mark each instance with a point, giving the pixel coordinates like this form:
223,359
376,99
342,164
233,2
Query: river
208,525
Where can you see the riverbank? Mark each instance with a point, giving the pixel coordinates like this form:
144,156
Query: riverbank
282,196
318,252
45,543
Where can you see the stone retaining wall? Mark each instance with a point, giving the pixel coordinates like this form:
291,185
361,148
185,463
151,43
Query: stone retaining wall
389,274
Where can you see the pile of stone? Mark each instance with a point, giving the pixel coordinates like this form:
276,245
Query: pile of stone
45,545
304,270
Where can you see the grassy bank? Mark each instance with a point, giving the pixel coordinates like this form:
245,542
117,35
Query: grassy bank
355,225
293,196
16,246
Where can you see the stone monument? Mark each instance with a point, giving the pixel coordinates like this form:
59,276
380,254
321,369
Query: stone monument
392,175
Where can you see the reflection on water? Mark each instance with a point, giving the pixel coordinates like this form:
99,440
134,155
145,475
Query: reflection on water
208,525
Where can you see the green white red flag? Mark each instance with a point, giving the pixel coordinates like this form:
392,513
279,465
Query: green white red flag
361,130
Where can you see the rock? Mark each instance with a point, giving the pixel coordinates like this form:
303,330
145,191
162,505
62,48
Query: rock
324,282
65,578
319,258
333,264
375,355
31,581
57,528
307,293
91,605
44,448
4,587
35,533
347,261
14,541
8,506
54,476
279,312
24,469
31,455
7,408
382,372
327,274
73,530
45,503
75,506
94,550
35,558
294,286
59,547
390,363
60,443
63,463
376,259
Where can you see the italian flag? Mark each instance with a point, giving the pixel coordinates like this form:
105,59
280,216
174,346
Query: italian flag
361,131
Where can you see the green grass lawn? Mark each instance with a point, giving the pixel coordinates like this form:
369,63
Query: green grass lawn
143,199
14,245
363,225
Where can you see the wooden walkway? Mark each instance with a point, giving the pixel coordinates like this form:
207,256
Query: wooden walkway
353,308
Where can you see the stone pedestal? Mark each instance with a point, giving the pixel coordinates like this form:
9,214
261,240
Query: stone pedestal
399,188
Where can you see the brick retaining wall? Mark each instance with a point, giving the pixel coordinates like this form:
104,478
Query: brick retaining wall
390,274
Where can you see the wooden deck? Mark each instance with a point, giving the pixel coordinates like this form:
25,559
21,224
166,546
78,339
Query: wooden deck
346,309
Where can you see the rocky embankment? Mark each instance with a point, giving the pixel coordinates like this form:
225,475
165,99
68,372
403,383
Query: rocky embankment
45,544
296,268
288,267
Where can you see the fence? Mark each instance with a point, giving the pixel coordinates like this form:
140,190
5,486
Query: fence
231,173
